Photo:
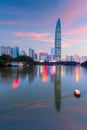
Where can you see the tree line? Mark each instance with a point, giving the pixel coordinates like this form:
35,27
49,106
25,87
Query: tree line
6,59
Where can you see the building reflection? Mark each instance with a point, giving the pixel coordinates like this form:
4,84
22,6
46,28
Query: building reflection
77,74
16,81
69,70
12,74
52,70
6,75
43,73
58,88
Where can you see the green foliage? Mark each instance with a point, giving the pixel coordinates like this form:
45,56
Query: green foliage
5,58
2,63
24,59
84,64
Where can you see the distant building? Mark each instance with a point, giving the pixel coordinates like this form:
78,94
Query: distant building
10,51
43,56
69,58
35,57
49,58
15,52
31,53
22,53
53,54
83,59
6,50
77,58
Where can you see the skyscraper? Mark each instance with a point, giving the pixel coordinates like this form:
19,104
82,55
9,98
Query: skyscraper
31,52
15,52
58,41
6,50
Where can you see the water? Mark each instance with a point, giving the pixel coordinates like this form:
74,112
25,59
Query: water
41,98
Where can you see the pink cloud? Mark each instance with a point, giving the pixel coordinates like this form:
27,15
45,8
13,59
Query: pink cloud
82,29
45,37
74,10
71,122
39,51
64,45
76,41
82,111
31,34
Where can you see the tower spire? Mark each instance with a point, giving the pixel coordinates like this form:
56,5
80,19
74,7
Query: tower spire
58,40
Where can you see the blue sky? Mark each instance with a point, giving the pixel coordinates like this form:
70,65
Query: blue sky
31,23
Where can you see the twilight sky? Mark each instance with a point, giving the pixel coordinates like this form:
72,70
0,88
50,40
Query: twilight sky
31,23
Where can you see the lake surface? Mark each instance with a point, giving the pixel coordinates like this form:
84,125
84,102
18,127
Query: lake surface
42,98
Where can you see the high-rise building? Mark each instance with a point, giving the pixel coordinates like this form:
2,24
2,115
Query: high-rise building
43,56
15,52
35,57
6,50
52,54
58,41
77,58
31,52
70,58
23,53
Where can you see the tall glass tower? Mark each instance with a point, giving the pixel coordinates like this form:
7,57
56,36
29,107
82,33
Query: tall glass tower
58,41
15,52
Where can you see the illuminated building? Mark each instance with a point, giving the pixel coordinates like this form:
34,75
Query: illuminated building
58,41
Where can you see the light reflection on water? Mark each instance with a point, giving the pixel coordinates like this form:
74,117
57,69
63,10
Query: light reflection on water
41,97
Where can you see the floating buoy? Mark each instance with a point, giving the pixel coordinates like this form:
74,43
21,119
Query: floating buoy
77,93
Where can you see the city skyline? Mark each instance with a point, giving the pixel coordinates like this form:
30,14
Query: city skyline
32,23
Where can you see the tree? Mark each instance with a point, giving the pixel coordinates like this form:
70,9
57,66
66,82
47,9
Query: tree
2,63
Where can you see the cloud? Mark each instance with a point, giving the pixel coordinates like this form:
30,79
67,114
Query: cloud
64,45
13,22
82,29
76,40
44,37
74,10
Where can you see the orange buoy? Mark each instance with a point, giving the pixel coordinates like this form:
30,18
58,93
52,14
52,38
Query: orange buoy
77,93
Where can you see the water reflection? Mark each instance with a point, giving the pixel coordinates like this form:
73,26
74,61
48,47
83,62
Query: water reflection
5,75
44,71
69,70
50,75
12,74
58,88
77,74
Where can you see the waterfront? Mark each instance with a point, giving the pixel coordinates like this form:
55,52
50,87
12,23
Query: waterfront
41,97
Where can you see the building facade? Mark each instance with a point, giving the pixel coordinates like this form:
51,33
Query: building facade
6,50
15,52
58,41
43,56
31,52
23,53
52,54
